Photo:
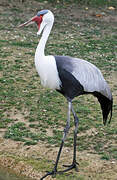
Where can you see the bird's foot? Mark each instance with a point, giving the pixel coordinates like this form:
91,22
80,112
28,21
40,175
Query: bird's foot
74,165
52,173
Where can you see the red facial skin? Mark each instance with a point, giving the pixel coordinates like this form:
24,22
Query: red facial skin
37,19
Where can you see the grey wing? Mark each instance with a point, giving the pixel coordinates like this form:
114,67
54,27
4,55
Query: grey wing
87,74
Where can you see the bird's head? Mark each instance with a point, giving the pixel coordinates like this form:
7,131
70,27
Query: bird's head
42,18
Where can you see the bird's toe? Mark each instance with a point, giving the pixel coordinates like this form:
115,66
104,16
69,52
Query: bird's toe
52,173
74,165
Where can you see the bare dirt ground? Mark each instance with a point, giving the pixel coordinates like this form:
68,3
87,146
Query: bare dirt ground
13,155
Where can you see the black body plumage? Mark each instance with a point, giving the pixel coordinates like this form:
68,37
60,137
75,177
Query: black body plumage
71,87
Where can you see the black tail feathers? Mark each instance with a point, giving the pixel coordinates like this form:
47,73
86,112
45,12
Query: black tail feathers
106,109
106,106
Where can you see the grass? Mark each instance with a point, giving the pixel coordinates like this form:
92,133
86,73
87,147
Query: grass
86,2
27,110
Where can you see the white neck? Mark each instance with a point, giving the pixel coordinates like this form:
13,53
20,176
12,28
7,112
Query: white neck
46,65
41,45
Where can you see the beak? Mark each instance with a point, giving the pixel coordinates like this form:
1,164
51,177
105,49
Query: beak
31,21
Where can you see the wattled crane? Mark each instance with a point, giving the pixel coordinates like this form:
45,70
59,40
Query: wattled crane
71,77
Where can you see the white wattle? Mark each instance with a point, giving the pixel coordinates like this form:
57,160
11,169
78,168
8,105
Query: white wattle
46,65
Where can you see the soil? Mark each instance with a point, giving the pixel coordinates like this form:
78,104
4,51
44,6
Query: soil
13,155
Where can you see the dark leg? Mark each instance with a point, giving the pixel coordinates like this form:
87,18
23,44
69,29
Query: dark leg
54,172
74,163
76,122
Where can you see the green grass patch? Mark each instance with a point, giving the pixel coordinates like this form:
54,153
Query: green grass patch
86,37
86,2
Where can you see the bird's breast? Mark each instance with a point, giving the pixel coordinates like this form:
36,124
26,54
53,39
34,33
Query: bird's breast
47,70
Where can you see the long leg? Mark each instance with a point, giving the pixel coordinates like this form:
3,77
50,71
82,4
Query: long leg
74,163
76,122
54,172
